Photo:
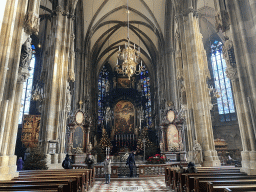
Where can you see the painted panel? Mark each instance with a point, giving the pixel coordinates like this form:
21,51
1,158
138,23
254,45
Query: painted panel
30,130
172,138
123,83
124,117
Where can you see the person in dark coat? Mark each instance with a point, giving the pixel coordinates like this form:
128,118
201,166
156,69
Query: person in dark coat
66,164
191,168
131,162
19,164
89,161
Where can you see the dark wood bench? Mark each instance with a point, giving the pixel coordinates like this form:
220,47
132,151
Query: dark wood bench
78,179
173,179
36,190
89,173
85,181
45,187
169,173
71,183
187,179
200,183
212,184
238,187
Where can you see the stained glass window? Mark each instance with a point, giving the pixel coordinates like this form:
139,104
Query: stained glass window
103,81
27,89
222,84
145,82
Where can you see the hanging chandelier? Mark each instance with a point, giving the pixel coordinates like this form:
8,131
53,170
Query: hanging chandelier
129,56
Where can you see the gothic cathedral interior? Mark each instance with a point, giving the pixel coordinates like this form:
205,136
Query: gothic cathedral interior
108,77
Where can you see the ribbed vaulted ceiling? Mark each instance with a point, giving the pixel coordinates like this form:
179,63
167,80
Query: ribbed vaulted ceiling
105,24
105,27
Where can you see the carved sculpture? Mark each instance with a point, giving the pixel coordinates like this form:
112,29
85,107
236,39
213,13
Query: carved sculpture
228,49
197,149
26,53
25,59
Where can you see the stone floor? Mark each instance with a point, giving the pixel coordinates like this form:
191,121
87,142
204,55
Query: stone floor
130,184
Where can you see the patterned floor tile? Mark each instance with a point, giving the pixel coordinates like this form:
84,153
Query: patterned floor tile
149,184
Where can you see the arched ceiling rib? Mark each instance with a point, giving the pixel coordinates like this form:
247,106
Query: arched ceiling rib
106,28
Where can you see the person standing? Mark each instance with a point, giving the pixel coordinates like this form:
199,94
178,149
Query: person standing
107,169
89,161
19,164
67,163
131,162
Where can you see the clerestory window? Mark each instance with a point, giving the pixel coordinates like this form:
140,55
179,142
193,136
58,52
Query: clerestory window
222,84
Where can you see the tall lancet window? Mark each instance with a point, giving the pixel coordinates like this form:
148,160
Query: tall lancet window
145,82
222,84
103,88
27,89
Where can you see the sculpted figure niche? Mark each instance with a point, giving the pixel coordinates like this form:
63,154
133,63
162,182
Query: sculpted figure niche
25,59
26,54
198,156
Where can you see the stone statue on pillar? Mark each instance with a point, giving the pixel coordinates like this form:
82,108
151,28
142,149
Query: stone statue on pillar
26,54
25,59
68,99
198,156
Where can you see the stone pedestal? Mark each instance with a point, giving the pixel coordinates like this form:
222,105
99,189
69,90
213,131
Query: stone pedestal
8,168
78,158
176,156
248,162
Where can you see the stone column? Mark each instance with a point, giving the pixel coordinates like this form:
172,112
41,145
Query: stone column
60,70
195,72
241,72
10,148
10,51
7,31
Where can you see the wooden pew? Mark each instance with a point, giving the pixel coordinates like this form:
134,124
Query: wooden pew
51,180
78,179
52,186
176,181
86,180
200,183
36,190
70,182
188,178
180,179
237,187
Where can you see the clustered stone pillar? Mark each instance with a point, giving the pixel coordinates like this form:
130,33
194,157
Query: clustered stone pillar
239,52
195,73
60,71
14,65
